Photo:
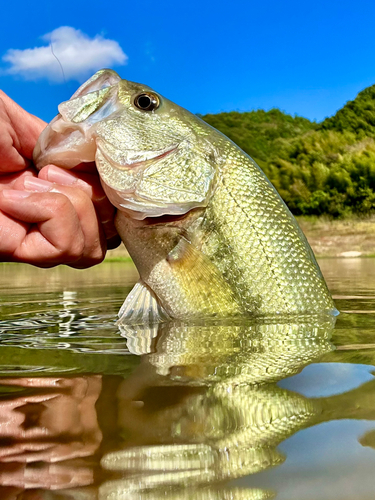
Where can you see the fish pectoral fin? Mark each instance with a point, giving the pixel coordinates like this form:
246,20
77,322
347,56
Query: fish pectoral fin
201,281
141,307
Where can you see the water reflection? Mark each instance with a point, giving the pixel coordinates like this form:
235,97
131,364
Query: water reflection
202,408
49,433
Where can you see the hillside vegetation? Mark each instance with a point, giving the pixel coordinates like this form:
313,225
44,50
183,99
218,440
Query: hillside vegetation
318,168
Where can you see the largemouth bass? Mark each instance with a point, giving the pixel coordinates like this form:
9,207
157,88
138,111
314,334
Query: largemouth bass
208,232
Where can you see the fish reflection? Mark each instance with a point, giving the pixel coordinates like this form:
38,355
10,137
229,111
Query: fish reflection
249,353
203,406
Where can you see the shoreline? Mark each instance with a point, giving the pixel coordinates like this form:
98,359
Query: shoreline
337,238
340,238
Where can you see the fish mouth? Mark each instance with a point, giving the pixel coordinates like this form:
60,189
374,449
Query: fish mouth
67,145
63,144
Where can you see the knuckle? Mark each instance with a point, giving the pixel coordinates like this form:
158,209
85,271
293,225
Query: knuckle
58,204
97,254
91,258
72,249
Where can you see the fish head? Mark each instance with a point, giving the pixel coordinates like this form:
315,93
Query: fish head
154,158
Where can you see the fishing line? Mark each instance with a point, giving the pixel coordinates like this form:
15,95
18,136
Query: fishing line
58,60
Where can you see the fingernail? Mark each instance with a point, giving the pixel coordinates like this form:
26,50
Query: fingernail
35,184
14,195
59,176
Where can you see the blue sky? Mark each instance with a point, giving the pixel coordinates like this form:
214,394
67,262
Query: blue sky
303,57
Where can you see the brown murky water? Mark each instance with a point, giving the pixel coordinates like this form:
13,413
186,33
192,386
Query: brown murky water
251,410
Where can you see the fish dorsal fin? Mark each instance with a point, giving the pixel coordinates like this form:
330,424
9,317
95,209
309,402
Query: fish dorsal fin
141,307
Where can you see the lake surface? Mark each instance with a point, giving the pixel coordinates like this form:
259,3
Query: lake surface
249,411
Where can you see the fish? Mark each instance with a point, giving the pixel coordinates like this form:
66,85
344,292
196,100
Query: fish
209,234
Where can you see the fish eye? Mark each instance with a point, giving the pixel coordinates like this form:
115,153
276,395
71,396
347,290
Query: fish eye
147,101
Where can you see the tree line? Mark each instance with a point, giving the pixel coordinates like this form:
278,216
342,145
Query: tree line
318,168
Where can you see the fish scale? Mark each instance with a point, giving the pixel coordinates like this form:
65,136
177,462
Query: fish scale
266,246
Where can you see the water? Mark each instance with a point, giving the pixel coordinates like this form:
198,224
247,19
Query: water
260,410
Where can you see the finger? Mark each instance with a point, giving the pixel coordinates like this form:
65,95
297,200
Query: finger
94,239
8,181
90,184
39,228
27,127
12,233
11,158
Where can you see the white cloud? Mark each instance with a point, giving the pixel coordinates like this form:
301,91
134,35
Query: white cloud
79,56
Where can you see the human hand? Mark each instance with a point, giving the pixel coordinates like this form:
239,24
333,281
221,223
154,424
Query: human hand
59,218
62,217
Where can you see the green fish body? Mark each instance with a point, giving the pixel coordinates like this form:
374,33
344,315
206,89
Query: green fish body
208,232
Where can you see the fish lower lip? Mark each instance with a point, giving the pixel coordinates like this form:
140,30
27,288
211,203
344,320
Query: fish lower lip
170,218
163,219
